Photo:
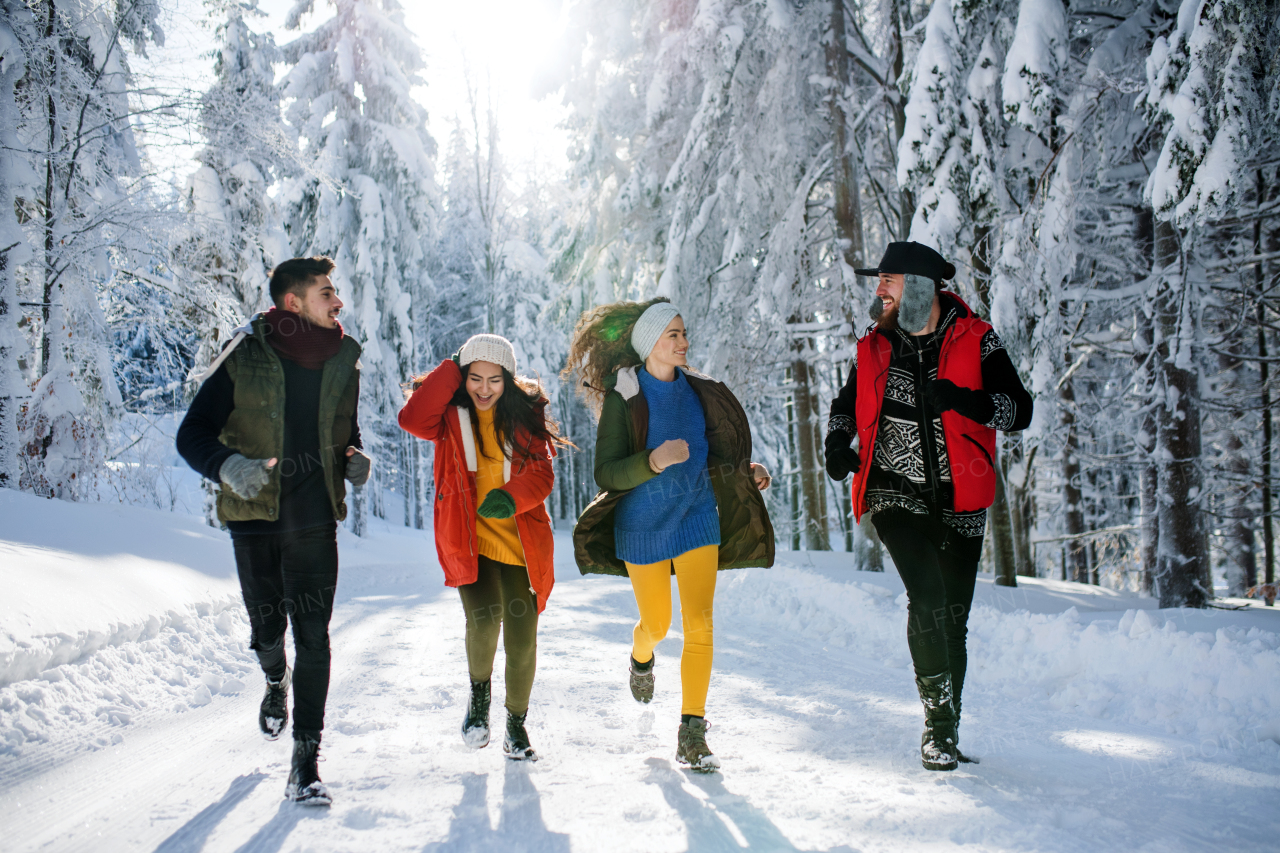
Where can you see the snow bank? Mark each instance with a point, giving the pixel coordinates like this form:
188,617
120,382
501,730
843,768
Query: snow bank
1114,657
82,577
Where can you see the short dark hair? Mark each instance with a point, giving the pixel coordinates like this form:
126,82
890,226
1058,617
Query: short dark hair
295,275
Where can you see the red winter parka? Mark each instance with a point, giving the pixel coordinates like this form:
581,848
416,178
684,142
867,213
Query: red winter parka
428,415
971,446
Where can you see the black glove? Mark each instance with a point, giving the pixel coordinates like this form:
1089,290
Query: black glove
841,458
457,356
946,396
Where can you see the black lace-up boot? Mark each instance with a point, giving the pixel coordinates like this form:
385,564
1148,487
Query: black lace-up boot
304,785
516,743
938,743
475,728
273,714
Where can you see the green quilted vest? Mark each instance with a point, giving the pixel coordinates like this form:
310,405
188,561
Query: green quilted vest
256,425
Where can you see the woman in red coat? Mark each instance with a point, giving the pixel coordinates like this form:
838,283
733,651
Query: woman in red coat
494,445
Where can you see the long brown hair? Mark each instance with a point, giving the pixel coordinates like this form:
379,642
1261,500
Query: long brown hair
601,346
523,404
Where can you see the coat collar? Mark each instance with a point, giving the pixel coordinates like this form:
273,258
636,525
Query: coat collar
469,445
627,380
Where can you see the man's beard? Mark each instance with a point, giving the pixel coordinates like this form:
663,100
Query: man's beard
313,320
888,319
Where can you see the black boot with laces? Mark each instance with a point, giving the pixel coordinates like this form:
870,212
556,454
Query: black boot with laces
475,727
938,743
273,714
304,785
516,743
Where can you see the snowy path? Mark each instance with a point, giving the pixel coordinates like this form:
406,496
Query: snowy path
819,742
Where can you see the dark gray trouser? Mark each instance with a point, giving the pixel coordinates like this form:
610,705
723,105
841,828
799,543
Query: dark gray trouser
290,578
501,599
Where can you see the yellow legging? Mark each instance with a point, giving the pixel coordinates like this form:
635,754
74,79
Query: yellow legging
696,577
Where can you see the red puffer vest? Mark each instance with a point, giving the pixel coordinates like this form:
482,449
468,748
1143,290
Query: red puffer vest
971,447
428,415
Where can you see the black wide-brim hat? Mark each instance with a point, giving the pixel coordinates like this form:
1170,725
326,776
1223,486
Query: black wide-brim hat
914,258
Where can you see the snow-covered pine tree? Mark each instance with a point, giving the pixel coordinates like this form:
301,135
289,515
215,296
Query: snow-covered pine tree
933,153
1203,81
84,218
368,199
235,234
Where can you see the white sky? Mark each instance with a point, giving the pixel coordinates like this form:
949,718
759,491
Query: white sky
508,45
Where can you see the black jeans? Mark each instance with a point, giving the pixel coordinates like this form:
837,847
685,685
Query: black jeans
939,569
291,578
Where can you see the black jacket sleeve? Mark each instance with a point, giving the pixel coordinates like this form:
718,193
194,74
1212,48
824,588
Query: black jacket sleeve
198,435
1000,379
842,418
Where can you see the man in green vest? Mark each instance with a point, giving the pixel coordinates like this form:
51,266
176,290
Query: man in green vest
275,424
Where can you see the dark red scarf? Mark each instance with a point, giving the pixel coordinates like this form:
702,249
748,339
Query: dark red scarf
301,341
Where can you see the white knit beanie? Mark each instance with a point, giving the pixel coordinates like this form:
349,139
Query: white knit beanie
652,323
491,348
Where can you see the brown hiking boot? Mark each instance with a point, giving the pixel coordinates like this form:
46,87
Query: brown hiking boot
692,749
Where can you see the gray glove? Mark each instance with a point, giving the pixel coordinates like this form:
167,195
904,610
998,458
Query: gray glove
358,466
244,476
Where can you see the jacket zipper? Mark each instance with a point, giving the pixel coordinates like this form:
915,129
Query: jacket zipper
462,491
926,432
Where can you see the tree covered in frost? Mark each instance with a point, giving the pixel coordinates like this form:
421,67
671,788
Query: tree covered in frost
234,233
367,198
84,218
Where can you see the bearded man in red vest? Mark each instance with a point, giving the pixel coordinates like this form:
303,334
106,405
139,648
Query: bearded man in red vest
929,386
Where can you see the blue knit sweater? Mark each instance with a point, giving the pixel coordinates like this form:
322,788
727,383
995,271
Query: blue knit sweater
674,512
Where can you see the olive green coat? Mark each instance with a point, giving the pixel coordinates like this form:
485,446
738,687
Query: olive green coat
622,463
255,427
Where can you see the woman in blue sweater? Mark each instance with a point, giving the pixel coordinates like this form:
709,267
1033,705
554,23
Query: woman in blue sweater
679,496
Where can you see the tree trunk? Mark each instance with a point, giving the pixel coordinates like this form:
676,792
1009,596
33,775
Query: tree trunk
811,470
1182,562
359,512
848,204
1148,474
1021,508
1264,462
1238,532
898,105
1002,531
1072,500
793,484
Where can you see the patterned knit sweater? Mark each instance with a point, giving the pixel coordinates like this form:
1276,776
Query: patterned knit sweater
676,511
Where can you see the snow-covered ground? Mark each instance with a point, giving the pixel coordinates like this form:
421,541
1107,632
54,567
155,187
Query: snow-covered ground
128,712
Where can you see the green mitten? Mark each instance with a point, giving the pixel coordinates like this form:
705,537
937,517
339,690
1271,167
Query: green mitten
497,504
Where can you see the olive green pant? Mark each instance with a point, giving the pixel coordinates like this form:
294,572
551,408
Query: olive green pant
501,599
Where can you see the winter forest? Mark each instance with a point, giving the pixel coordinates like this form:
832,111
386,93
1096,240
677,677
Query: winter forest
1105,175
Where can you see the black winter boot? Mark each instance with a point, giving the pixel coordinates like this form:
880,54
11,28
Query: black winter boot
642,680
475,727
691,746
516,743
938,743
304,785
273,714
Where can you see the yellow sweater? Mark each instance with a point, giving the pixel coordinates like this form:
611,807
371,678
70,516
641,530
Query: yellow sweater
499,538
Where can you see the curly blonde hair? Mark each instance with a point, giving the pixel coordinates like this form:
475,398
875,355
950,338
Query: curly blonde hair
601,346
